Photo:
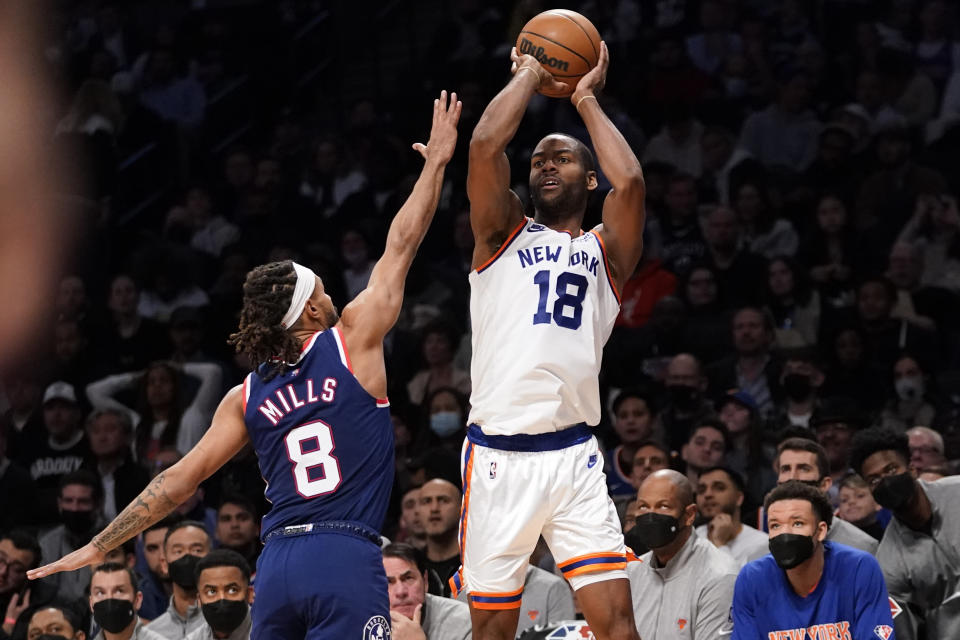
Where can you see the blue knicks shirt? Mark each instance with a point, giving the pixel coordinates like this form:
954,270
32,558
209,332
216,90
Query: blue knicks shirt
849,603
324,444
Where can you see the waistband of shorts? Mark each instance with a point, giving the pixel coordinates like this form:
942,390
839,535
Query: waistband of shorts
550,441
330,526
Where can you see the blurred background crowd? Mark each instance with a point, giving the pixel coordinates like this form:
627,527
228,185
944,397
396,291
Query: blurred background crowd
801,276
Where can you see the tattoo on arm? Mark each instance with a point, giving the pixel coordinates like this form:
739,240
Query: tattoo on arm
151,505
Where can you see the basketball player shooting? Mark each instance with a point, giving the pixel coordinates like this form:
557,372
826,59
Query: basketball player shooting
317,416
544,297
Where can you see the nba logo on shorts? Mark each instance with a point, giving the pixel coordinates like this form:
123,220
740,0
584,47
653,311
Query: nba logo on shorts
493,470
377,628
883,631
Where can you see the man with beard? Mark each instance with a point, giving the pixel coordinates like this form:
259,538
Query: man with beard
805,460
544,299
920,550
719,498
808,586
80,503
683,586
184,545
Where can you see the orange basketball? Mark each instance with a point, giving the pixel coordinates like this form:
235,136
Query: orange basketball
566,44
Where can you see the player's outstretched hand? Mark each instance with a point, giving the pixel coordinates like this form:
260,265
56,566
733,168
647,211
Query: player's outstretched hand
404,628
593,82
85,556
545,79
443,133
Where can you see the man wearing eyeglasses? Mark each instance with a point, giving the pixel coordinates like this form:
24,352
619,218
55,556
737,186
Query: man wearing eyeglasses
920,550
19,551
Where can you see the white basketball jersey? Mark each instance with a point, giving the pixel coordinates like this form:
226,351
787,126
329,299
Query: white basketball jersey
541,308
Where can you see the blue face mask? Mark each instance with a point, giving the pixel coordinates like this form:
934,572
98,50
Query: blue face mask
445,423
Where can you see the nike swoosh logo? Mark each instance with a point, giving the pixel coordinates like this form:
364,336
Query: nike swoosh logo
725,633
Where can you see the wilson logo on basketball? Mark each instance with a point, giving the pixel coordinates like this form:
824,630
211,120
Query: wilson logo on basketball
528,47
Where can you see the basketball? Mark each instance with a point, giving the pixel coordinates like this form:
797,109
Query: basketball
564,42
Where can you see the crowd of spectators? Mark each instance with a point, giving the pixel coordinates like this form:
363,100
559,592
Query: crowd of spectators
800,278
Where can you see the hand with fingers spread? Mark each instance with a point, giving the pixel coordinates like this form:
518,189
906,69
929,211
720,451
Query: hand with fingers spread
404,628
546,83
443,133
86,556
590,84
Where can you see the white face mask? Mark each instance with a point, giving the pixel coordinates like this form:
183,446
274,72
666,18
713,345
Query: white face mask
909,388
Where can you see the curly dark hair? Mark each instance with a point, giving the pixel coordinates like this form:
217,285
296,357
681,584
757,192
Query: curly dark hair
261,336
798,490
869,441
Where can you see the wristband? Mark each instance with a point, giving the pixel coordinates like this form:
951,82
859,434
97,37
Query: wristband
584,98
9,621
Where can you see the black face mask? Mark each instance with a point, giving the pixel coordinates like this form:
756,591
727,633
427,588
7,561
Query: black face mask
113,614
77,522
656,530
632,539
798,387
224,615
182,571
52,636
682,396
894,492
791,549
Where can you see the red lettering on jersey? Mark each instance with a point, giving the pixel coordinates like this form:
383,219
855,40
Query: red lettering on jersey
585,632
293,397
272,413
310,396
844,630
329,389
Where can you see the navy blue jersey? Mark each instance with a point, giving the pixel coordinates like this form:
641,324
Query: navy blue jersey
850,601
325,445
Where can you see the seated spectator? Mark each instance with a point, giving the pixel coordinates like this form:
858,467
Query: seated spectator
724,163
411,529
886,336
686,404
445,410
238,528
707,335
752,369
650,456
650,282
204,229
834,422
155,582
414,612
835,170
719,498
683,576
858,507
438,347
762,231
926,449
110,433
440,512
225,595
115,601
919,551
678,142
827,586
795,305
73,359
706,448
23,420
355,251
130,340
634,415
849,373
81,511
62,451
163,416
935,228
709,48
738,412
172,95
783,136
912,404
330,178
739,271
805,460
681,241
72,302
186,543
170,283
801,380
56,621
916,304
19,552
829,250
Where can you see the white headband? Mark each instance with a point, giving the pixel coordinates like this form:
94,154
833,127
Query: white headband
306,283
